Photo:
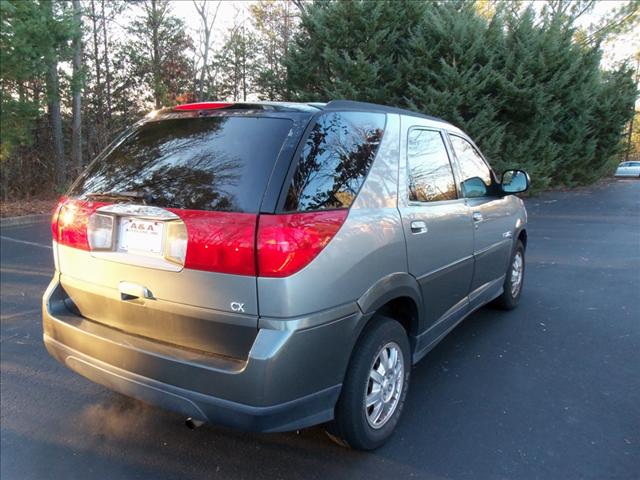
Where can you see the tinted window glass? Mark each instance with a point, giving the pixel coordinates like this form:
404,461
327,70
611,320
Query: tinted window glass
473,167
430,174
335,160
213,163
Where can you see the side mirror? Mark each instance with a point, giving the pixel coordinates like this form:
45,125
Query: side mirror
474,187
515,181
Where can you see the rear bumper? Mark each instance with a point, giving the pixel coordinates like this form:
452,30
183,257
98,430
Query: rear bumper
290,380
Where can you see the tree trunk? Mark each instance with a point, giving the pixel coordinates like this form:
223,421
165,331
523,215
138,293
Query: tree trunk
107,72
55,120
287,34
99,97
53,106
205,59
244,64
208,27
76,129
156,54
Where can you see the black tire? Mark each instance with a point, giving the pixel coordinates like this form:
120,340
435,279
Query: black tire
508,300
351,427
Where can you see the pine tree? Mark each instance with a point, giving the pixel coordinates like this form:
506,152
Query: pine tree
52,58
159,54
450,72
274,22
35,37
352,50
525,87
237,61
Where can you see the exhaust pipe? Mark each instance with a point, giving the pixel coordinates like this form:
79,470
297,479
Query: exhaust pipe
193,423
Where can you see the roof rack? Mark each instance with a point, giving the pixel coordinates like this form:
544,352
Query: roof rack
267,106
333,105
374,107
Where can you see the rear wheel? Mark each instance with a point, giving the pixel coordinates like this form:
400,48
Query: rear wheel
512,287
375,387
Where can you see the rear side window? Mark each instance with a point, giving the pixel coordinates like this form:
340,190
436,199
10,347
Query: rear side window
335,160
219,163
430,175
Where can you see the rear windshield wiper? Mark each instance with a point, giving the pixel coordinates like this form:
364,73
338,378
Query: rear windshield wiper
124,195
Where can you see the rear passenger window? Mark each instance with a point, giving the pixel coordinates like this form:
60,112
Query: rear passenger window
430,174
335,160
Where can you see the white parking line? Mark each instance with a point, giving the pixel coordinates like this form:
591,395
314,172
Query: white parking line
19,314
34,244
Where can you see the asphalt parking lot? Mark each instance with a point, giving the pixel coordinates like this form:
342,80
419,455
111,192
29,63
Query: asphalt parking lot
550,390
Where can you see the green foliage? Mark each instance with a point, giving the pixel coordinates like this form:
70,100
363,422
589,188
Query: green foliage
236,64
31,39
352,50
524,88
274,22
159,54
22,44
527,86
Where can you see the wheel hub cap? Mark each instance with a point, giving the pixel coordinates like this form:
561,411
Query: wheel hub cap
384,385
516,273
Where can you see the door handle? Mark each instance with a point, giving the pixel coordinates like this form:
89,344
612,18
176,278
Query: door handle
133,291
477,217
418,227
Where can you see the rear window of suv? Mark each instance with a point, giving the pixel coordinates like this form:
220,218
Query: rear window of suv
335,160
220,163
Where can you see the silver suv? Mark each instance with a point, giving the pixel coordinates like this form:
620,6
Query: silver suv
272,266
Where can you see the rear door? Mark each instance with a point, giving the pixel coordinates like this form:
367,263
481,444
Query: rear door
493,217
180,197
436,222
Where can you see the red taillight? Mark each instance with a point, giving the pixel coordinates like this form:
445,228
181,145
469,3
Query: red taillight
202,106
288,243
225,242
220,241
69,222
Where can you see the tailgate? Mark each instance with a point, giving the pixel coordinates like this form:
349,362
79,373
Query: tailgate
157,236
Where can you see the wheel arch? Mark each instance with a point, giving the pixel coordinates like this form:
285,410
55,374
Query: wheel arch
397,296
522,236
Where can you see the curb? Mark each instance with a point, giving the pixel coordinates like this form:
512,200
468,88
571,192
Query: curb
23,220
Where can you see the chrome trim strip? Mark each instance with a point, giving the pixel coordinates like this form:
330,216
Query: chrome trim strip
141,211
492,246
445,267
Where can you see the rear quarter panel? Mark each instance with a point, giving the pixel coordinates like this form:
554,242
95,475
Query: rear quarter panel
369,246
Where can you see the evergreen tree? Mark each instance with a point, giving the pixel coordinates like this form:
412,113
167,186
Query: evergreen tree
159,54
451,72
526,84
526,88
275,22
237,64
35,36
352,50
